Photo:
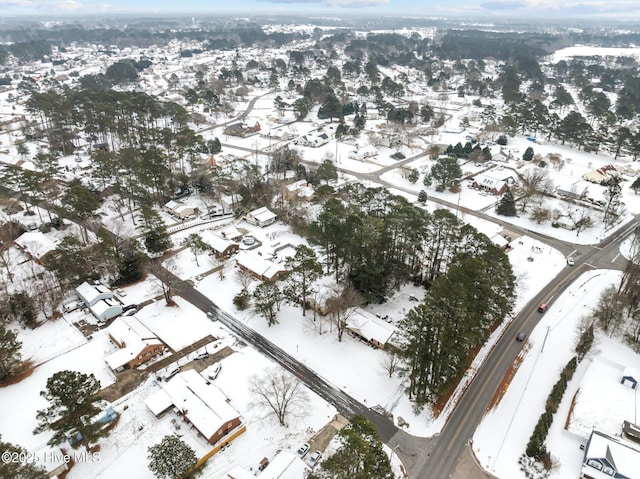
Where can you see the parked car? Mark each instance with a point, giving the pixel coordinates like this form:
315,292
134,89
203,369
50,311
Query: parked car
170,372
202,355
121,292
213,371
129,306
542,308
521,336
303,449
314,458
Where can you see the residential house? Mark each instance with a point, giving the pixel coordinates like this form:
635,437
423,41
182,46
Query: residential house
491,184
35,244
578,190
301,189
179,210
136,343
199,402
258,267
99,299
607,456
261,217
602,175
242,129
370,329
221,247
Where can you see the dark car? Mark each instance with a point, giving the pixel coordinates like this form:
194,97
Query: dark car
128,307
521,336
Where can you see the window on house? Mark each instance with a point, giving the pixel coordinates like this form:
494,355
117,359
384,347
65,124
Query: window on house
595,464
608,470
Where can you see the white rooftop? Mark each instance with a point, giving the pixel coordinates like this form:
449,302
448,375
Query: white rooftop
605,449
285,465
214,241
204,404
35,243
370,327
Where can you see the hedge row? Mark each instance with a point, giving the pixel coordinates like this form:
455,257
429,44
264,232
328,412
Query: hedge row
536,447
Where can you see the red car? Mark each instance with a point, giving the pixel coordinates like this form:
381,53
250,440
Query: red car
542,308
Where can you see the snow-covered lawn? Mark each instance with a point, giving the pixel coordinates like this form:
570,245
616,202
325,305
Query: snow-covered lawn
503,434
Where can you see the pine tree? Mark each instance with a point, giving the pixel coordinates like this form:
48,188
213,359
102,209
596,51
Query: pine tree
528,154
266,301
360,455
72,398
9,352
507,205
171,458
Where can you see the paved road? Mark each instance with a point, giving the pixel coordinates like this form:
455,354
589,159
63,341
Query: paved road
437,457
473,404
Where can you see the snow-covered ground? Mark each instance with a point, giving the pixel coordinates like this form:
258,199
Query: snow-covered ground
504,432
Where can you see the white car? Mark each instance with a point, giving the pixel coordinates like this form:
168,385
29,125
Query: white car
121,292
303,449
570,261
314,458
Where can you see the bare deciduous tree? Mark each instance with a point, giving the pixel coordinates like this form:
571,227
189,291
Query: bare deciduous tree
341,304
609,311
391,363
533,182
280,393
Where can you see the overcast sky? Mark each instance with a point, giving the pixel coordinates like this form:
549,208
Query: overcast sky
525,8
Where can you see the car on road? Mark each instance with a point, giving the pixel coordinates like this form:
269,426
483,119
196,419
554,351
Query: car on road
521,336
570,261
212,316
303,449
542,308
314,458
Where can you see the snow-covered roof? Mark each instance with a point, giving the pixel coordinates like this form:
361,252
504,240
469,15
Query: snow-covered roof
214,241
92,293
105,309
171,205
602,402
607,451
370,327
257,265
239,473
285,465
35,243
134,335
263,214
159,402
204,404
230,232
487,181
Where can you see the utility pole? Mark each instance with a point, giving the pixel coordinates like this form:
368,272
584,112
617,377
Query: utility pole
545,339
